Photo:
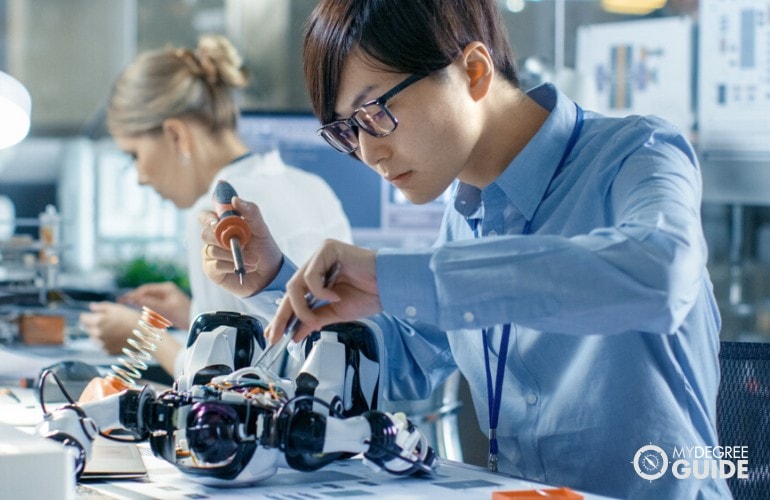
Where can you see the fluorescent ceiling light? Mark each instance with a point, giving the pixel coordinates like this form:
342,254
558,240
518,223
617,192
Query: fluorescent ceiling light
15,105
638,7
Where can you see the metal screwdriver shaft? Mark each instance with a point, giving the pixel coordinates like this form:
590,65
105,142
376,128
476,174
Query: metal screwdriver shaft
231,230
235,248
294,323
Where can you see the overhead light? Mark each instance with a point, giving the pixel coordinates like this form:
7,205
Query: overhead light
15,105
514,5
637,7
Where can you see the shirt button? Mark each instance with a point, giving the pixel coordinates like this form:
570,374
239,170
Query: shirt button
532,398
492,233
411,311
468,316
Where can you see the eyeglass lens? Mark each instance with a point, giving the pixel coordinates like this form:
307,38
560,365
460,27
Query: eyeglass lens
372,118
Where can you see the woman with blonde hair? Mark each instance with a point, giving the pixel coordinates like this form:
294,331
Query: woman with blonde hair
174,112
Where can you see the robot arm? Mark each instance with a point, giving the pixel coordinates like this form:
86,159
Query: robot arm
228,424
388,441
77,425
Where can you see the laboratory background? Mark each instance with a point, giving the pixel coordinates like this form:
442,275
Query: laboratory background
75,226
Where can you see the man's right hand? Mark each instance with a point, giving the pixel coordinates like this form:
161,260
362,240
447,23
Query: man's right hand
352,296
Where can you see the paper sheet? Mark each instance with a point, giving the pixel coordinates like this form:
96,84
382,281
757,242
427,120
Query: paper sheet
343,479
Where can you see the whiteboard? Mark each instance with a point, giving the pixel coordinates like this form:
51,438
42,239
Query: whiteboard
642,67
734,76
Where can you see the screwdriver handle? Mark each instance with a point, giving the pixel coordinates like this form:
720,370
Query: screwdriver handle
231,224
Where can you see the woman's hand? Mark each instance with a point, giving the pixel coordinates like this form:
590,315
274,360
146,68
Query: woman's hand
166,299
109,324
261,256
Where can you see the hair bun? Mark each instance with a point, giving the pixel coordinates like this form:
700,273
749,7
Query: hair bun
220,61
215,60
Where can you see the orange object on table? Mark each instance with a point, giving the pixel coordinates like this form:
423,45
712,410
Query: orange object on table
101,387
41,329
538,494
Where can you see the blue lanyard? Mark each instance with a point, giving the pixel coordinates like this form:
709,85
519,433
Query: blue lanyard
495,392
494,398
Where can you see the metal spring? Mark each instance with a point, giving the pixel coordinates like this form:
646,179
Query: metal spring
147,336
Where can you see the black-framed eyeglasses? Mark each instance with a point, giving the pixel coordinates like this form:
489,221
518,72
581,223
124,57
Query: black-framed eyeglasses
373,117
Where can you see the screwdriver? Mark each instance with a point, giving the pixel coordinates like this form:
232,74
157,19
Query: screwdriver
231,230
294,323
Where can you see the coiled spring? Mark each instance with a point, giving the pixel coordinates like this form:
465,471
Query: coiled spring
147,335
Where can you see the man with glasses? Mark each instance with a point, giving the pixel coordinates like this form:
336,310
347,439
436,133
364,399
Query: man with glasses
568,283
373,117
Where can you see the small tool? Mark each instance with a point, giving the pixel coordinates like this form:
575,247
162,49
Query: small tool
294,323
6,391
231,230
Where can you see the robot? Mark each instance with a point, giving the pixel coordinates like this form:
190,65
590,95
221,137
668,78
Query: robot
228,423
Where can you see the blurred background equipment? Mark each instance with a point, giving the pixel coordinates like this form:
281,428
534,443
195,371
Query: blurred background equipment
15,104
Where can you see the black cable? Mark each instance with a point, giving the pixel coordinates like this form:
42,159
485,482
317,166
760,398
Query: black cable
72,404
415,462
77,409
43,378
139,439
332,411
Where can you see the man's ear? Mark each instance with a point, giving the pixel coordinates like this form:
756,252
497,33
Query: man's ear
479,67
179,133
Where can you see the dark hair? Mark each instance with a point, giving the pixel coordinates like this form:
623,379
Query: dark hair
408,36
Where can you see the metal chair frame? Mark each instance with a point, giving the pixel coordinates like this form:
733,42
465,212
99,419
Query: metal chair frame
743,412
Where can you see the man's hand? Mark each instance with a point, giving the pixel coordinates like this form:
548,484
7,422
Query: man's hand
353,295
261,256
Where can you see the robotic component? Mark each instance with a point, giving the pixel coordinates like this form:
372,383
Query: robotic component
291,329
77,428
214,349
239,427
348,345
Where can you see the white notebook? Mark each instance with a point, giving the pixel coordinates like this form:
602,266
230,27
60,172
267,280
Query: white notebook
114,460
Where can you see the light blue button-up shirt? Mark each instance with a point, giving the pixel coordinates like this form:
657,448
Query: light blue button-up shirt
615,330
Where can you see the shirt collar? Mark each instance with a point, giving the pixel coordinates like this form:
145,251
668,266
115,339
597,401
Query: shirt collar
527,177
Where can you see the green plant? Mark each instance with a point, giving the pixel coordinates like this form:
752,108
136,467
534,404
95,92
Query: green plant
140,270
